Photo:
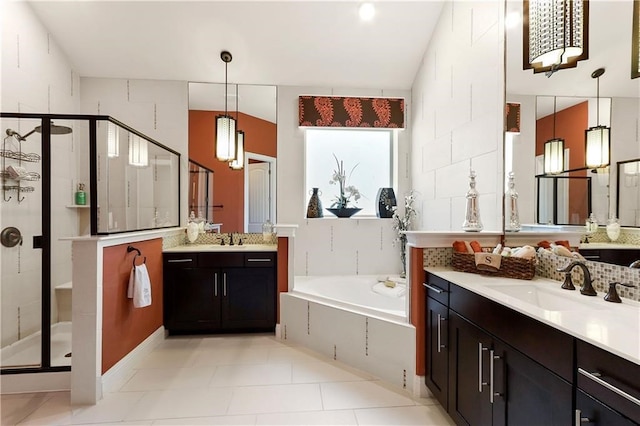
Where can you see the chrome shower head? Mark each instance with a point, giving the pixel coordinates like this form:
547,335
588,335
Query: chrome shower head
55,130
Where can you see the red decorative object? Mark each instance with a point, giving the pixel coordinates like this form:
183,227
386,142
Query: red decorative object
337,111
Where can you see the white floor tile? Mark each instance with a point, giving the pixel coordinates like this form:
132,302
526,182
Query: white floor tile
275,399
218,420
169,378
338,417
180,403
343,395
290,354
317,371
169,357
432,415
244,341
250,374
15,408
112,408
55,411
230,356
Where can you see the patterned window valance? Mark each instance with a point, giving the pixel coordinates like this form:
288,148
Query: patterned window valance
336,111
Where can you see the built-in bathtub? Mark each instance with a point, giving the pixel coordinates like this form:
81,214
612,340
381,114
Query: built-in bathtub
341,317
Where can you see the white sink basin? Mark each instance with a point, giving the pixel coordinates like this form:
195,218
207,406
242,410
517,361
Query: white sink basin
546,299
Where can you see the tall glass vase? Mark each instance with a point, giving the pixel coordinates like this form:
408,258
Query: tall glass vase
513,216
472,222
403,257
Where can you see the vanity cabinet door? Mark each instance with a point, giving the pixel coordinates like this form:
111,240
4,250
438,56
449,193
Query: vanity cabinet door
191,299
437,351
593,412
469,402
249,298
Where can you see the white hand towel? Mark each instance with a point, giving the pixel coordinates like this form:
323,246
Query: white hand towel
139,286
398,291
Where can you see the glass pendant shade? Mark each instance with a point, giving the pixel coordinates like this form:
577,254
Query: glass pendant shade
597,146
238,162
225,138
557,32
138,151
113,141
554,156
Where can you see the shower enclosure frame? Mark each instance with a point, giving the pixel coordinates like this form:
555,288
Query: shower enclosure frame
43,241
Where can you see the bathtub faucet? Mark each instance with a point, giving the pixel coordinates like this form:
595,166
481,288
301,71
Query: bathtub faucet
587,288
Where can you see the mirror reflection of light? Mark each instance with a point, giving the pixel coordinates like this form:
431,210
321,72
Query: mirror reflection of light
512,20
598,332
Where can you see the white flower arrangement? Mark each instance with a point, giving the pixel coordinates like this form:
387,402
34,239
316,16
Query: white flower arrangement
403,223
346,191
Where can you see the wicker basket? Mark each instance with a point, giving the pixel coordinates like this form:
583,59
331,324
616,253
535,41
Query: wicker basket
510,267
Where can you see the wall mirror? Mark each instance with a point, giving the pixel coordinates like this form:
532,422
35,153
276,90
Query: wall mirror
240,200
629,192
610,38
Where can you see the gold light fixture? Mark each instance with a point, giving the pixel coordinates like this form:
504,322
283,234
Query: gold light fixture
238,162
554,150
225,124
138,151
556,34
597,138
635,41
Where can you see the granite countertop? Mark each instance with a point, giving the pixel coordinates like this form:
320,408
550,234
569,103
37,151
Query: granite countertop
617,246
614,327
191,248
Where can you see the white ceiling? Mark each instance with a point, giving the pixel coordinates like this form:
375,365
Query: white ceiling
310,43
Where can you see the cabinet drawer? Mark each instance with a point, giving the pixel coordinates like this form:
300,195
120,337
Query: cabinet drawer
220,260
613,375
259,260
437,288
180,260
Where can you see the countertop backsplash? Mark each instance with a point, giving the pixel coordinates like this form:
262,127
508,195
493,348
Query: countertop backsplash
214,238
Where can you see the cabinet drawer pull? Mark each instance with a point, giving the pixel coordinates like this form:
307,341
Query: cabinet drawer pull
179,260
434,288
580,419
480,382
492,393
224,284
258,260
215,284
595,377
440,345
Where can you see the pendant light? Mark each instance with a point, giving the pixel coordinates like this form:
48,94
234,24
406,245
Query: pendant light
238,162
225,124
597,138
556,34
554,150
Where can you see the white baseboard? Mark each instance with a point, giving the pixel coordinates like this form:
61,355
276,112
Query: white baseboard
420,389
117,375
35,382
278,332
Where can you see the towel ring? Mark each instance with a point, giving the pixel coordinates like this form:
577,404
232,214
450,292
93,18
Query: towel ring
138,253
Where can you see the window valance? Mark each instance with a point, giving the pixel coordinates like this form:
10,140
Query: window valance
337,111
512,113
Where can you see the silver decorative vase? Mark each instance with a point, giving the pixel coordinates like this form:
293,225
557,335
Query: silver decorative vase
472,222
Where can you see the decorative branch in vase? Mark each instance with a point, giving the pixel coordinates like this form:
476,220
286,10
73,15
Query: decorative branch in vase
341,205
403,223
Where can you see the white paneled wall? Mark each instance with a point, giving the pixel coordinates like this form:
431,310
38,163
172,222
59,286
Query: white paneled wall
157,108
458,116
331,246
36,77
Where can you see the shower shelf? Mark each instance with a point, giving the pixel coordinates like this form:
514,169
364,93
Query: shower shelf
18,188
29,176
20,156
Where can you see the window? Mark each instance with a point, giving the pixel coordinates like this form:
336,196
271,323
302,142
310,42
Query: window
369,151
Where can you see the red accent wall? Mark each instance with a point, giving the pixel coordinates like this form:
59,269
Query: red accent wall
228,184
571,124
283,270
418,305
123,326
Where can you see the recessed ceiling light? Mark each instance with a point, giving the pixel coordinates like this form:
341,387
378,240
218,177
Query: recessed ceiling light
367,11
512,20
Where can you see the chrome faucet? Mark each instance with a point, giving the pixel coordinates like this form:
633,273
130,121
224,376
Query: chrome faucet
587,288
635,264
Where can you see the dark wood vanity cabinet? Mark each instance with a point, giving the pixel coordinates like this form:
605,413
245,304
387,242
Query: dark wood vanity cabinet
219,292
608,387
437,338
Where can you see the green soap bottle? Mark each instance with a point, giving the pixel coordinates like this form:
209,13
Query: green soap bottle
81,196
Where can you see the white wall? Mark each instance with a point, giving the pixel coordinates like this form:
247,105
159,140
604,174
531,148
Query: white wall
157,108
458,108
36,77
331,246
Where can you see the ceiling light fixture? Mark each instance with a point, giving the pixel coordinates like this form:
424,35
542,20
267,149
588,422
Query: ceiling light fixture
367,11
597,138
555,34
238,161
225,124
554,150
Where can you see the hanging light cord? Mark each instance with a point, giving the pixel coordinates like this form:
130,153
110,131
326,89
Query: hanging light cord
598,101
554,117
225,87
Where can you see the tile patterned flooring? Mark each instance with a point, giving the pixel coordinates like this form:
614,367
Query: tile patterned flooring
234,380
